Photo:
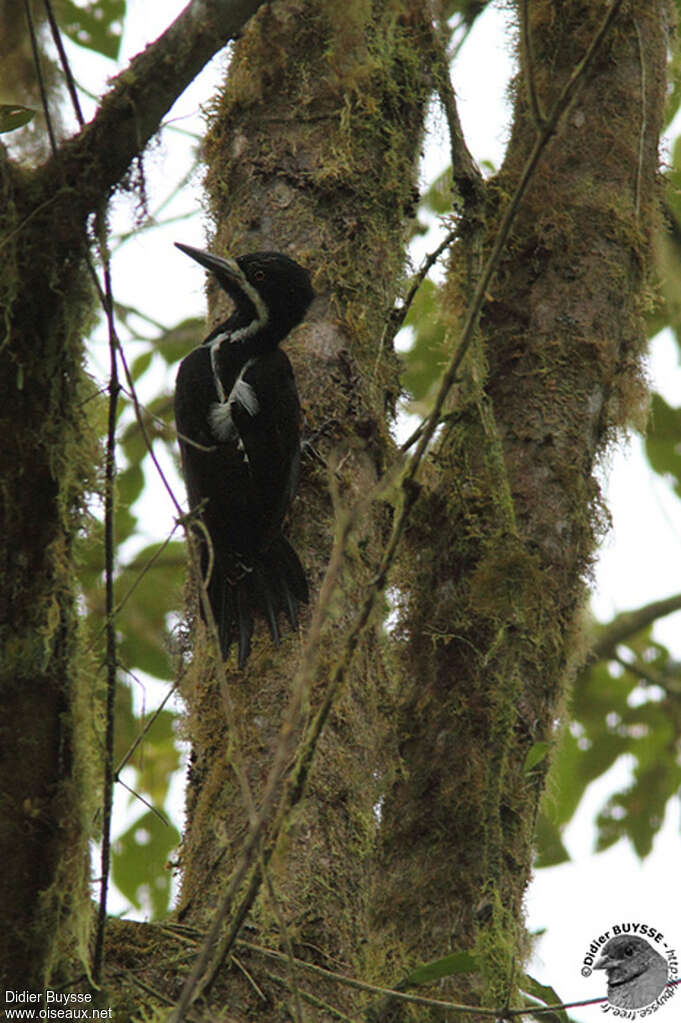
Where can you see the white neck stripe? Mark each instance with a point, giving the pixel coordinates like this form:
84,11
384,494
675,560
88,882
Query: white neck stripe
261,310
237,336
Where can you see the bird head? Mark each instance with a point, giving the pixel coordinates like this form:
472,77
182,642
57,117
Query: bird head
270,291
626,956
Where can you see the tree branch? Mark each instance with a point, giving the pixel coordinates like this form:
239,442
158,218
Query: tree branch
670,685
111,651
465,172
95,160
628,623
528,61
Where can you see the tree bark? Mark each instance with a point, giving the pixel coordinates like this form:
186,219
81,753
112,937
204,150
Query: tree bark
313,151
504,536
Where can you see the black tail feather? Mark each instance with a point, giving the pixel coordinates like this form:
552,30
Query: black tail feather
245,620
275,584
267,601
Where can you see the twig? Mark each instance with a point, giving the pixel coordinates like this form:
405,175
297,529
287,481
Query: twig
63,59
528,61
35,212
99,156
124,311
564,101
143,570
628,623
413,437
403,996
644,123
465,172
152,220
194,562
39,75
167,426
295,784
160,996
145,436
151,223
111,672
397,316
539,1010
154,809
283,928
240,966
374,989
311,999
654,678
409,486
127,756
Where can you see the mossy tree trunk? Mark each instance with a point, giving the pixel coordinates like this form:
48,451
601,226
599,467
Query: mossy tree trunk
313,150
504,535
47,457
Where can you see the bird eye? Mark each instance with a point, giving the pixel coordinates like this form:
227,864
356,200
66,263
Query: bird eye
629,951
259,275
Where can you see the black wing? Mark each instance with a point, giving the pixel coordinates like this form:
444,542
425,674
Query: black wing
215,473
245,484
271,438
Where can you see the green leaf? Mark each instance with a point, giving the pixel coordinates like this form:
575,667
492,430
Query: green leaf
549,843
637,812
156,417
97,25
620,712
663,441
565,782
438,198
159,757
535,755
141,365
127,724
545,995
673,98
139,862
152,593
130,486
424,360
457,962
13,116
667,311
177,342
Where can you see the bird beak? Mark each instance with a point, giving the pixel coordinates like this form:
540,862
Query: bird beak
227,271
603,963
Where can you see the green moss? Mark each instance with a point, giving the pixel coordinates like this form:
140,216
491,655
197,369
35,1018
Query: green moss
48,471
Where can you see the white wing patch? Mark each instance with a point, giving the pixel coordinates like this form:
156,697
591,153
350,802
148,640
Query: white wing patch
243,394
221,413
221,422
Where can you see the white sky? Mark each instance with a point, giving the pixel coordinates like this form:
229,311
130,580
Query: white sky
639,562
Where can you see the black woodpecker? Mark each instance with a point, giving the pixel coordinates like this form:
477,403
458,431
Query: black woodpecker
238,417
